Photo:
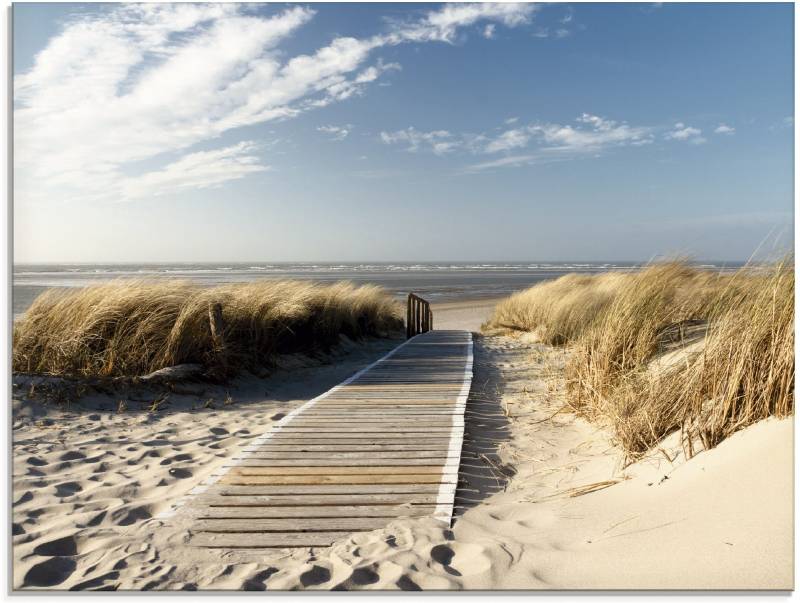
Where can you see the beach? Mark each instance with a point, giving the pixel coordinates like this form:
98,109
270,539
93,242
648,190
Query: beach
543,500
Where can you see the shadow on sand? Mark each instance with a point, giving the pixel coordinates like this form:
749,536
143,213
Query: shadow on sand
481,473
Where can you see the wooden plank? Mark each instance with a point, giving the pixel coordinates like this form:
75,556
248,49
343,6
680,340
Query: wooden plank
317,512
319,489
358,439
263,541
252,480
314,502
378,447
346,445
366,430
302,461
290,524
352,470
378,456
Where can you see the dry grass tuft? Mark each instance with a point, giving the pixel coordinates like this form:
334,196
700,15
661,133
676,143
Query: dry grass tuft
130,328
617,324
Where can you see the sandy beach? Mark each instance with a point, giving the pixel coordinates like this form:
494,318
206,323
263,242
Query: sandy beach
543,500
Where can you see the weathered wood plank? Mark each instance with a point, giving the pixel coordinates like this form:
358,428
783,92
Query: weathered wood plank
365,431
384,445
299,469
346,445
263,541
253,480
316,512
313,502
377,456
320,489
290,524
301,461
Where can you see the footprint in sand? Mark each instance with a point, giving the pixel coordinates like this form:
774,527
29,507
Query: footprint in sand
130,516
315,576
67,489
459,559
49,573
180,473
406,583
361,576
36,461
219,431
257,581
99,583
72,455
61,547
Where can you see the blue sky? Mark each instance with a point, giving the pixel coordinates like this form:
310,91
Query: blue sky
402,131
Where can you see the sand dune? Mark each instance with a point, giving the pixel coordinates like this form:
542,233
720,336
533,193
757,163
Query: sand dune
543,502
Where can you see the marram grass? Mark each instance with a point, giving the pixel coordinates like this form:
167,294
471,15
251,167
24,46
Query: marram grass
616,325
132,327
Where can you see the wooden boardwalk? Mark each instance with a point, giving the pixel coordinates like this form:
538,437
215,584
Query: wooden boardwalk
384,444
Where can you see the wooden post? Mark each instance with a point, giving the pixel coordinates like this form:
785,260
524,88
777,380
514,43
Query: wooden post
408,317
217,326
419,316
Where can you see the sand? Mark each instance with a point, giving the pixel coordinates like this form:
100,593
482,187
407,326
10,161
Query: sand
543,503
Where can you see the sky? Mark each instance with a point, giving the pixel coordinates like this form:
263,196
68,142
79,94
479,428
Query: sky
401,132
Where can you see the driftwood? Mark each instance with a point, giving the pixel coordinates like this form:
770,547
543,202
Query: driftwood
178,372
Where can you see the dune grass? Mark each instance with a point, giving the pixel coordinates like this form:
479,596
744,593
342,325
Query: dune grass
617,324
131,328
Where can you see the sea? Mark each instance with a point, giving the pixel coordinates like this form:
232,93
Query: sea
435,281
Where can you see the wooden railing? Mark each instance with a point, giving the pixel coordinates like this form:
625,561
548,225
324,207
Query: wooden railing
419,317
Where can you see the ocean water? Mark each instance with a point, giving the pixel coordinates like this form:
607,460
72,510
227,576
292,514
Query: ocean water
434,281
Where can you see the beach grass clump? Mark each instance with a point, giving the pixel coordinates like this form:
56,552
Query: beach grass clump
649,308
561,310
670,347
132,328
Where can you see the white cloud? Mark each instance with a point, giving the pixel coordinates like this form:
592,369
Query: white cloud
440,142
686,133
562,33
488,31
724,129
595,134
203,169
139,82
443,24
510,161
568,16
511,120
550,141
510,139
336,132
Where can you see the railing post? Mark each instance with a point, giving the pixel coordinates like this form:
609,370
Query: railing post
419,316
408,317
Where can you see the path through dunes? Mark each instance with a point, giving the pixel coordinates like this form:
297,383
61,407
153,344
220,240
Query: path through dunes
384,444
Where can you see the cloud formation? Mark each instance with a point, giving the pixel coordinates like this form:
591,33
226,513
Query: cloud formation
142,84
440,142
683,132
336,132
590,134
724,129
